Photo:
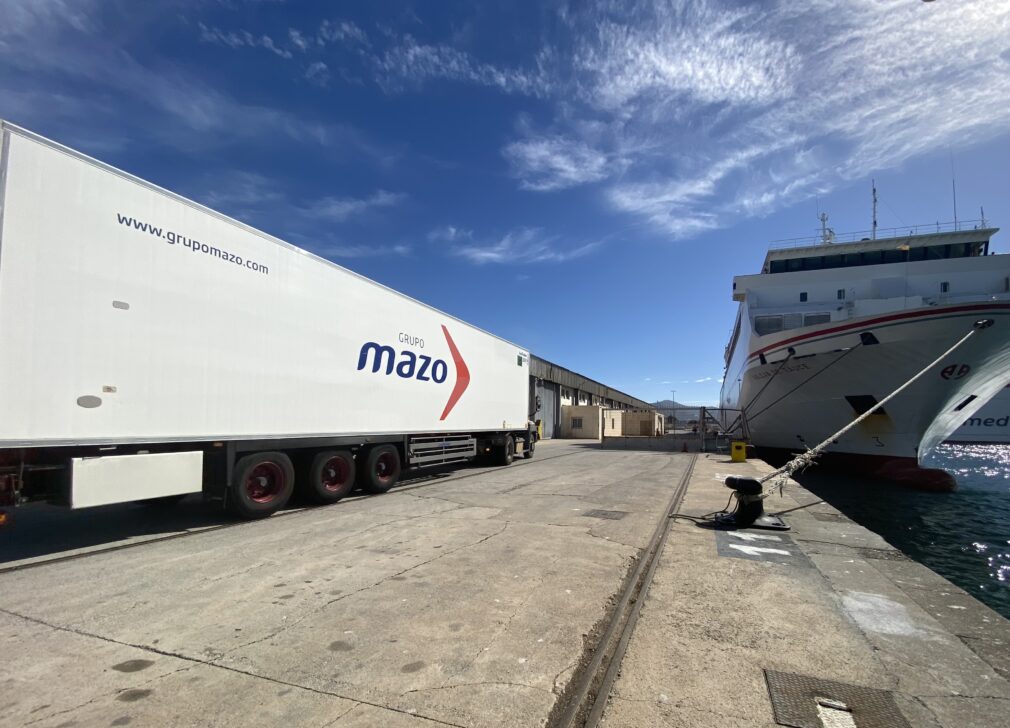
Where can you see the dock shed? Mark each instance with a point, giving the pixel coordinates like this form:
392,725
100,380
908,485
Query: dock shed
554,387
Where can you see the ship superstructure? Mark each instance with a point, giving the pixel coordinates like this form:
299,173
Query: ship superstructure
829,327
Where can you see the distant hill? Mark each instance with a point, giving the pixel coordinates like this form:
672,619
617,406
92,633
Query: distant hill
684,412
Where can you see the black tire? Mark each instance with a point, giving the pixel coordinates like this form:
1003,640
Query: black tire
261,484
507,452
329,477
381,470
530,447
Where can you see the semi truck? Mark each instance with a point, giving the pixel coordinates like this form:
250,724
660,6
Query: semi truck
151,348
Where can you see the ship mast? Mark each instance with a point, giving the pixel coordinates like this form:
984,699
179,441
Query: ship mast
827,234
873,182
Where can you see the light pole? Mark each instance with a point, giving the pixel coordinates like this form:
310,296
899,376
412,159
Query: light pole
673,407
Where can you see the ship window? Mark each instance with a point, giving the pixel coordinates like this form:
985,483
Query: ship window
971,398
873,257
767,324
840,294
894,256
917,254
815,262
811,319
791,321
795,264
777,266
851,259
832,261
944,286
934,252
803,296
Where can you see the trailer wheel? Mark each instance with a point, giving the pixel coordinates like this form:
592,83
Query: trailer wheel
382,469
507,452
330,476
531,443
262,483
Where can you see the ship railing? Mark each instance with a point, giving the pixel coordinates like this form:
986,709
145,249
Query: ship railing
882,234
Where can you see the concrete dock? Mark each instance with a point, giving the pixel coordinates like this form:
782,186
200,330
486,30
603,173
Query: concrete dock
478,597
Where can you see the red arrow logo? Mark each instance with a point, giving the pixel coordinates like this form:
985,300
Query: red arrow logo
462,375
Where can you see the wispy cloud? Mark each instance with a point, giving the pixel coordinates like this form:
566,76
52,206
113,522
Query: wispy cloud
522,245
719,111
338,209
341,31
267,203
554,163
410,63
691,51
241,38
318,73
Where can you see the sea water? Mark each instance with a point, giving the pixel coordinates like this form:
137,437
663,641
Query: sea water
964,536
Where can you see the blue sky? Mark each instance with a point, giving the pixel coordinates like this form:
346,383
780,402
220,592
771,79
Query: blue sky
581,178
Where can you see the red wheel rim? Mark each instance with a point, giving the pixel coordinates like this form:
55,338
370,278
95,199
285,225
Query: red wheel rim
385,466
335,473
264,482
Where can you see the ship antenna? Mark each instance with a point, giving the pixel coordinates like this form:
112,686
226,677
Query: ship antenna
873,182
982,212
953,187
826,233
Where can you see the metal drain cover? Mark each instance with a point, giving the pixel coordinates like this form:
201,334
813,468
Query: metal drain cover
798,700
609,515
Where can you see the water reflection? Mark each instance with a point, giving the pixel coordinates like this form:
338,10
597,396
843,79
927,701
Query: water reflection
964,535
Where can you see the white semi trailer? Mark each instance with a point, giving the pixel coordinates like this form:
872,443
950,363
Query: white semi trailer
151,347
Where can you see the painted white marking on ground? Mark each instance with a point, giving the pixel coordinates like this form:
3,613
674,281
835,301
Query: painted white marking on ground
753,536
757,550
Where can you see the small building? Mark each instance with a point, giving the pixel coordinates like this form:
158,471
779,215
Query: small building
582,421
594,421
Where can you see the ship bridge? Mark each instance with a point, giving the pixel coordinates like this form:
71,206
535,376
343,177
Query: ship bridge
937,241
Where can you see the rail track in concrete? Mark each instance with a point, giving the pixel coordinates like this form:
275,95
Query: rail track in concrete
583,702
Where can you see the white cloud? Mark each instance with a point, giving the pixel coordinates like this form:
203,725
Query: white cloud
318,73
19,17
691,50
341,31
338,250
338,209
240,39
719,111
299,40
449,234
410,63
522,245
554,163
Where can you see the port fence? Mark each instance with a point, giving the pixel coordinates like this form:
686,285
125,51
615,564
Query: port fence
687,429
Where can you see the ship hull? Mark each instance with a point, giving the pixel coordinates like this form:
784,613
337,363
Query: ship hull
795,401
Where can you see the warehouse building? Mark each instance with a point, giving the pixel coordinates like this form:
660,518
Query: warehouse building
558,396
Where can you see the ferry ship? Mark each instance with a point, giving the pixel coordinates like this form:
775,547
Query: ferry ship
831,326
990,425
